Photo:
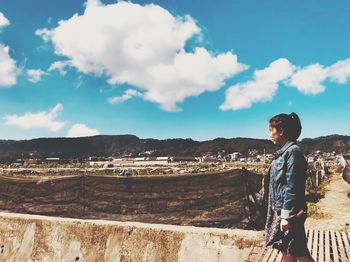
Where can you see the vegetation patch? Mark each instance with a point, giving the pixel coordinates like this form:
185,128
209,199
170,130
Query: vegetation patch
224,211
315,212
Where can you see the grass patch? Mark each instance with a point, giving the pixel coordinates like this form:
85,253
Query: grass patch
314,194
235,206
315,212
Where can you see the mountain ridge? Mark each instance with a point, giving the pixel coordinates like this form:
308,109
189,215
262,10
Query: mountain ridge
131,145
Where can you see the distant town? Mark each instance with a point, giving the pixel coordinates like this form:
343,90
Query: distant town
253,156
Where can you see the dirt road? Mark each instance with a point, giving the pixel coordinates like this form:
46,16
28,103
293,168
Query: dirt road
335,206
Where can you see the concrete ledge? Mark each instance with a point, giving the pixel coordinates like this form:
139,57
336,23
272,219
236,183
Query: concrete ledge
41,238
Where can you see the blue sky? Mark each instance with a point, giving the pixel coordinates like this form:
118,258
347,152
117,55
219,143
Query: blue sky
168,69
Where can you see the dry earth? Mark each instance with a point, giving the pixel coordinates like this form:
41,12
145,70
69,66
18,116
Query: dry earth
335,207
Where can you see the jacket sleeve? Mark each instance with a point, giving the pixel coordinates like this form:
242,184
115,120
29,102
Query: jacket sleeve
290,192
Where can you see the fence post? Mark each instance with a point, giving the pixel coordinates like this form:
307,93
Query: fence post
82,190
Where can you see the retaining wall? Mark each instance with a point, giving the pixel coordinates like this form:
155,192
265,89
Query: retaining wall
38,238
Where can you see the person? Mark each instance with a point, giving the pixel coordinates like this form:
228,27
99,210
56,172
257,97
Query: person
287,209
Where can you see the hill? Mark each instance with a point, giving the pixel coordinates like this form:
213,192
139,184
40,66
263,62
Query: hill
121,145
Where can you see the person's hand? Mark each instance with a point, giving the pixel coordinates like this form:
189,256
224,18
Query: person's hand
284,225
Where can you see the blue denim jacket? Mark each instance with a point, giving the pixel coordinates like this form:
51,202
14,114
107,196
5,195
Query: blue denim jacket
288,175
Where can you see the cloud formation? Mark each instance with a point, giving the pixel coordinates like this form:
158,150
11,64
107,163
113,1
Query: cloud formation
143,46
44,119
8,68
81,130
261,89
3,20
339,72
60,66
34,75
130,93
309,80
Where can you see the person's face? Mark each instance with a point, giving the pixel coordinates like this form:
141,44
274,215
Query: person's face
275,135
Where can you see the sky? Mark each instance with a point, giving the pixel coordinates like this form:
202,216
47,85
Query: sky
161,69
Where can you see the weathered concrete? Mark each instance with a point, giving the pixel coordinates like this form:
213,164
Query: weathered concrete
40,238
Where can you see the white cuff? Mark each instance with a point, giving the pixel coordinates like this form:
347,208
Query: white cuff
286,214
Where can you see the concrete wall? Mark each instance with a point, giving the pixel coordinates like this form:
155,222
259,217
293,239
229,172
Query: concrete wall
37,238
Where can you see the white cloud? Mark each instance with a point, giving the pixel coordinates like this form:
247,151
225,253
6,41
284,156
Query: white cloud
44,33
79,82
261,89
3,20
143,46
8,69
59,66
34,75
340,71
308,79
130,93
43,119
81,130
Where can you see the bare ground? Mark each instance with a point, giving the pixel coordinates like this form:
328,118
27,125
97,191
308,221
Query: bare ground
334,207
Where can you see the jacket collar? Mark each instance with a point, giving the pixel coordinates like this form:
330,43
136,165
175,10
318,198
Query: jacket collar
284,148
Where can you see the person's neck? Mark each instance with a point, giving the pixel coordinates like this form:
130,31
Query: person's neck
283,142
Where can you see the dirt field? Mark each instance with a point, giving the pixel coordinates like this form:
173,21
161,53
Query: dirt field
335,207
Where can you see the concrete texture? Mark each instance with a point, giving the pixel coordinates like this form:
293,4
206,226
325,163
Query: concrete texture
39,238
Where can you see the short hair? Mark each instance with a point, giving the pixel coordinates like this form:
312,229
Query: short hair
289,124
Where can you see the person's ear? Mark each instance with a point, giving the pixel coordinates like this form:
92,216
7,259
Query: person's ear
281,132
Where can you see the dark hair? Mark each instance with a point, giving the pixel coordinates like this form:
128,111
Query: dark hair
289,124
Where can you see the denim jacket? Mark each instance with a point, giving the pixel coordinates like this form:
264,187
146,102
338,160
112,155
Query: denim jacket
288,173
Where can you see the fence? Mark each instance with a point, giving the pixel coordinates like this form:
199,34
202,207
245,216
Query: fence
174,199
